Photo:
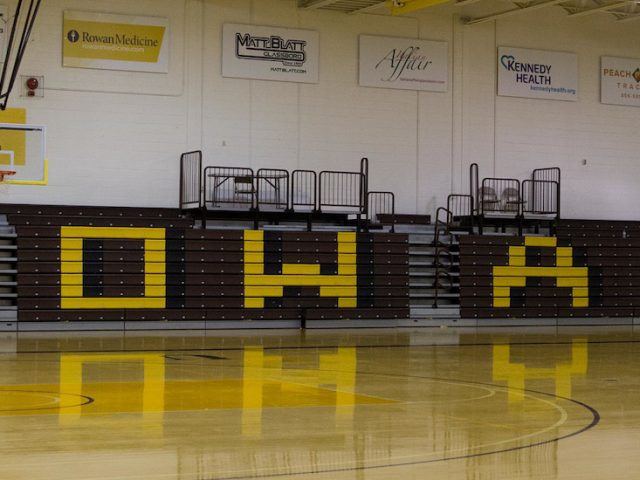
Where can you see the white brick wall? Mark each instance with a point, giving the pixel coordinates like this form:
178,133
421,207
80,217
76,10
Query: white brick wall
115,137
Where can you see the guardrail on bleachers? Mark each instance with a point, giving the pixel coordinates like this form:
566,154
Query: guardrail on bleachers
380,206
270,191
190,180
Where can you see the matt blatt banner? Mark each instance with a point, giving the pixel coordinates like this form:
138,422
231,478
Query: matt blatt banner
404,63
115,42
537,74
270,53
620,81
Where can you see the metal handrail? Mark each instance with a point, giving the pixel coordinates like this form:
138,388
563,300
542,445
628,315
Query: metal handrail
436,243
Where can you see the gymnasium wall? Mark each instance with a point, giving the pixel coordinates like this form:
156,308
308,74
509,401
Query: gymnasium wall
115,137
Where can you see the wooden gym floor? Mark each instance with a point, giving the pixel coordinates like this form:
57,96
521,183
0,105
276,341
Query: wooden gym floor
352,404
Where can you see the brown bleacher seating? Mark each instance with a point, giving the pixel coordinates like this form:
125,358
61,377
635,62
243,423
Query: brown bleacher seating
80,274
607,255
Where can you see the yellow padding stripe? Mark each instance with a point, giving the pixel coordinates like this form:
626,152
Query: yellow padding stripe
347,259
71,267
254,268
347,302
501,292
253,257
517,251
263,291
338,291
502,302
71,255
346,237
92,303
251,246
509,282
300,280
581,302
151,244
70,279
580,292
573,282
540,271
347,269
293,269
254,303
564,261
346,248
564,252
254,235
154,256
540,241
71,244
516,261
113,232
155,268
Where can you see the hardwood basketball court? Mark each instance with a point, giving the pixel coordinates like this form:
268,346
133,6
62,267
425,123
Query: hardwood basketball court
374,404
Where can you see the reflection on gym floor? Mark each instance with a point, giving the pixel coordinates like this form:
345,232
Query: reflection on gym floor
369,404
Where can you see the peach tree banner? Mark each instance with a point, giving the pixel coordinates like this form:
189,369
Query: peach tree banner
620,81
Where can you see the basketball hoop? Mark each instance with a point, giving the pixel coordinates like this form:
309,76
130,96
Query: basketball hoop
6,173
19,32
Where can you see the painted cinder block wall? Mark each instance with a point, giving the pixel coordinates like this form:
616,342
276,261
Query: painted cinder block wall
114,137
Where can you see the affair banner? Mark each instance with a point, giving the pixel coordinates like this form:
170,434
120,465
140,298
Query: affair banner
115,42
620,81
270,53
537,74
404,63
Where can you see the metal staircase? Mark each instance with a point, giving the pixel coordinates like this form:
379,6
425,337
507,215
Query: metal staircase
8,272
433,274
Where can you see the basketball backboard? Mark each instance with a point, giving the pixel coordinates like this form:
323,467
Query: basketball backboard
23,149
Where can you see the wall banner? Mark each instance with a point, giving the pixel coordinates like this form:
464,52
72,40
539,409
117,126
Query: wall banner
270,53
115,42
404,63
620,81
537,74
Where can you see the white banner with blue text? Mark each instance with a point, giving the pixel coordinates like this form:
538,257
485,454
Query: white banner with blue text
404,63
537,74
620,81
270,53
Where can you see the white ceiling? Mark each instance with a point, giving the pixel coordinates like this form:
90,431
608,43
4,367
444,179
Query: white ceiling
478,11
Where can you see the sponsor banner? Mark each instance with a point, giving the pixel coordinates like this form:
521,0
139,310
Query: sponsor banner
404,63
115,42
270,53
537,74
620,81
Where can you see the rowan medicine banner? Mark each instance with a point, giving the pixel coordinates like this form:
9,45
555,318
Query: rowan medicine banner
620,81
537,74
270,53
115,42
403,63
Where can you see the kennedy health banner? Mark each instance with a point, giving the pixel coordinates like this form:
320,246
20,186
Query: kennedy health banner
404,63
537,74
620,81
115,42
270,53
